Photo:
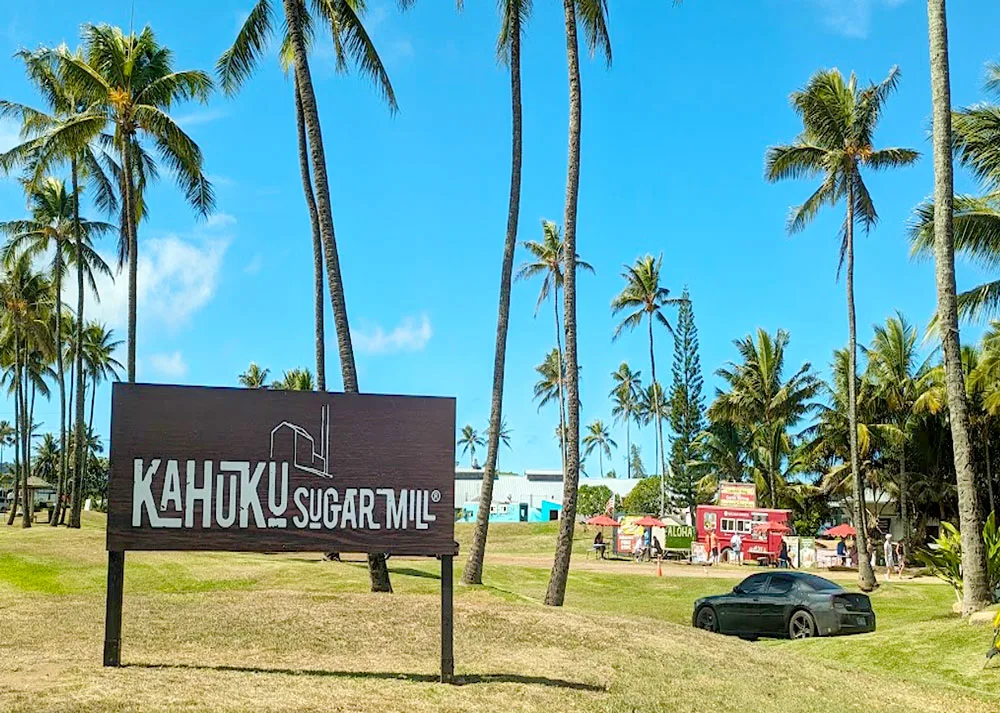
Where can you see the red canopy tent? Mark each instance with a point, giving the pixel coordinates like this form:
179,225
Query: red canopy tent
650,521
602,521
842,530
778,527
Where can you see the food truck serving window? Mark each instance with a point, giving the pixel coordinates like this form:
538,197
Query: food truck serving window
741,526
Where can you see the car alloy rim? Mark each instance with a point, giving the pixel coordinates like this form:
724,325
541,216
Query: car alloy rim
706,619
801,628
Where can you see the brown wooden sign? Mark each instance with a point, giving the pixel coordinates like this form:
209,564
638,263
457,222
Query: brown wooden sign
195,468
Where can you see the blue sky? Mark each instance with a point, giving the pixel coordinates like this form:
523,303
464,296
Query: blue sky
674,135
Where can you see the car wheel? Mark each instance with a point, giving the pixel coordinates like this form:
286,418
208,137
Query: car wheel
801,625
707,620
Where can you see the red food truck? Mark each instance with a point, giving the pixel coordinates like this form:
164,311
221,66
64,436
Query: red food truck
759,541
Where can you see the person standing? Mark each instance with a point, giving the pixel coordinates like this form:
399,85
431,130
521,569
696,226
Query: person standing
889,552
737,544
713,543
842,552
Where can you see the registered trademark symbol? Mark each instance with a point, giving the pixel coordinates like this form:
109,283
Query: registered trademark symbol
435,496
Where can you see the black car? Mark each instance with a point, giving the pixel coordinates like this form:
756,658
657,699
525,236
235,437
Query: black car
796,605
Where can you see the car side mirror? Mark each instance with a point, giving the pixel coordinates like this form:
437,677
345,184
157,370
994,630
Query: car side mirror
737,589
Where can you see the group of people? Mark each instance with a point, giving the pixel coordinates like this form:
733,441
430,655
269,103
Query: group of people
640,552
893,553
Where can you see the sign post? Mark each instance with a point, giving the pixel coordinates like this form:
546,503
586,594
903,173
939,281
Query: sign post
242,470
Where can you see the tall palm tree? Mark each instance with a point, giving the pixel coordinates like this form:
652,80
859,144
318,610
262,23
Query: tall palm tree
761,401
254,377
351,42
723,455
26,298
598,438
625,404
975,589
69,133
6,438
47,458
837,142
469,441
548,260
513,16
644,297
898,375
592,16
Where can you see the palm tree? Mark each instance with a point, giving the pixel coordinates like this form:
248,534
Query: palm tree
503,438
254,377
839,122
625,404
6,438
550,383
295,380
592,15
548,258
47,459
514,14
100,364
723,455
976,594
69,133
898,375
654,406
26,298
469,441
52,227
760,401
644,297
598,437
350,42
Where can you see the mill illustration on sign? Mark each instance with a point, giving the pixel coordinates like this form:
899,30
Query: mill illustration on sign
302,441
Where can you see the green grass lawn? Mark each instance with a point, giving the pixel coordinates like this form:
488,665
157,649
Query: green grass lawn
255,632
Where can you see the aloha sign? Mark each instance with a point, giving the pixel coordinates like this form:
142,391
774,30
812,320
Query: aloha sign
197,468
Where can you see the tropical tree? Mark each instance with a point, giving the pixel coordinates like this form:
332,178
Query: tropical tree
351,43
548,260
759,400
598,438
837,142
6,438
469,441
625,404
687,407
295,380
654,408
898,375
645,298
976,594
254,377
47,458
723,454
100,364
51,230
513,16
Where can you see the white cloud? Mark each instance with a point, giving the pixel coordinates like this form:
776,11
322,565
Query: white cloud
170,366
202,116
220,220
176,278
410,335
253,267
851,18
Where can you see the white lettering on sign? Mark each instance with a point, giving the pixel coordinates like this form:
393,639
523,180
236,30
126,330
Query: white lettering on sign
230,496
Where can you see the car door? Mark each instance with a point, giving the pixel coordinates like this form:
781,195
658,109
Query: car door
774,603
740,616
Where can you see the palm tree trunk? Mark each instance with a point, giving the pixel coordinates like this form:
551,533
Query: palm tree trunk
600,460
561,379
131,229
93,399
975,588
473,573
317,242
866,577
377,571
989,478
904,501
74,520
556,591
628,445
70,481
26,424
17,461
61,376
658,436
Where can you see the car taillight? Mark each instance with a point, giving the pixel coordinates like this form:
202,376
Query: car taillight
852,603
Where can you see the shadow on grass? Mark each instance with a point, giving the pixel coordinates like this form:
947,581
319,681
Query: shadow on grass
466,680
411,572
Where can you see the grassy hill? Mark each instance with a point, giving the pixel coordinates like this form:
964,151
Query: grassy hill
252,632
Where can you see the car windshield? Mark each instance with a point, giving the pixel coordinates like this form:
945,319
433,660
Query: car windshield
818,583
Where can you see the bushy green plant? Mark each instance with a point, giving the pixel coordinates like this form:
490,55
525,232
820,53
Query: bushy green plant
943,557
592,500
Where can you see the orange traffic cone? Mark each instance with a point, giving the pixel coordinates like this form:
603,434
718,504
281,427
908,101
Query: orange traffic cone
659,567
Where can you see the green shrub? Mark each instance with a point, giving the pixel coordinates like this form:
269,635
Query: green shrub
943,557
